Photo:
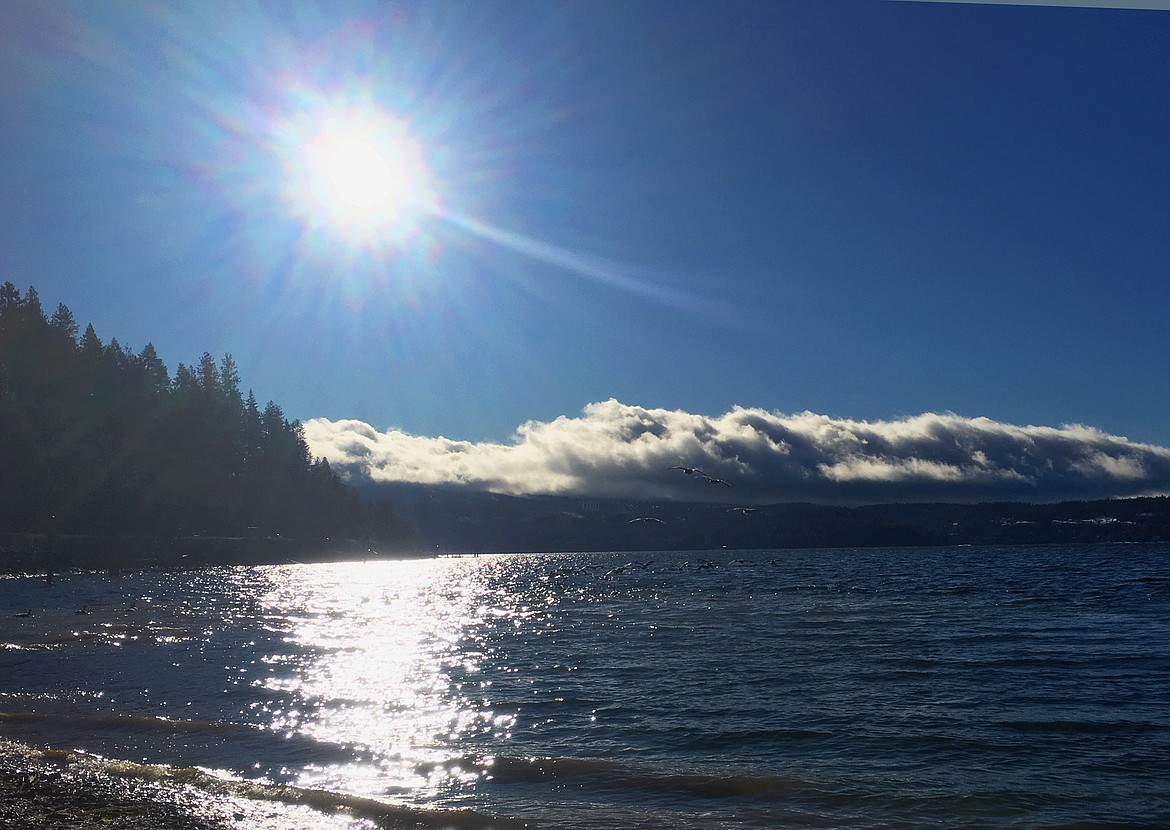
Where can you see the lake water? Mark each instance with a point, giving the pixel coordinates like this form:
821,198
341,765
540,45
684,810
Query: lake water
887,688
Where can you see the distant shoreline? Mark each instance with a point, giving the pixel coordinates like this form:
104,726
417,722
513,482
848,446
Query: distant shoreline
450,519
461,523
42,553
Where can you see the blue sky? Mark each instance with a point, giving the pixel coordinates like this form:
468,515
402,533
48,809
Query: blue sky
864,210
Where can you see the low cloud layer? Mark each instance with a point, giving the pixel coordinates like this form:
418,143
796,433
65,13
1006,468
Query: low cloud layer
617,450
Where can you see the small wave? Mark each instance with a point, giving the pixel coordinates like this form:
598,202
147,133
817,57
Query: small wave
1100,825
705,740
164,740
20,647
11,664
519,770
1085,727
121,722
620,776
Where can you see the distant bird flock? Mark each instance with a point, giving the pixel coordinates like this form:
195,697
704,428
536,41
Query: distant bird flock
699,475
692,471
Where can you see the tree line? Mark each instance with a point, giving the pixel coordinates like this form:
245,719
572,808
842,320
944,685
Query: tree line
96,438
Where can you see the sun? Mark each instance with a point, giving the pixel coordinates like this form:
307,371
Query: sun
368,180
361,175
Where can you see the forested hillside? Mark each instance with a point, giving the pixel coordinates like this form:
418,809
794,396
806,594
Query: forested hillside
458,519
97,438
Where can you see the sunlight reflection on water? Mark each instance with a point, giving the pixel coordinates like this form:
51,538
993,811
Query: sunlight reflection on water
386,665
775,688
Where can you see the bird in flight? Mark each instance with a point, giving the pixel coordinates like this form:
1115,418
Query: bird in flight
690,471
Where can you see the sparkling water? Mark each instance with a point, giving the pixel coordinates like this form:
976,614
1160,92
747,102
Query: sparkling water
870,688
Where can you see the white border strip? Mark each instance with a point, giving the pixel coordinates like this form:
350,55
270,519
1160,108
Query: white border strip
1149,5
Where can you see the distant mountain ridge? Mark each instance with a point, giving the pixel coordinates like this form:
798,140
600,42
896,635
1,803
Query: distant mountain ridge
452,519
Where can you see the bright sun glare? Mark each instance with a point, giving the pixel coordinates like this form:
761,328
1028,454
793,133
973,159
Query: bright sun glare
362,177
356,172
359,174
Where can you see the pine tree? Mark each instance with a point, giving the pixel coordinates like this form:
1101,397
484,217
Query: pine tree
90,346
207,373
154,372
9,298
62,321
31,304
229,379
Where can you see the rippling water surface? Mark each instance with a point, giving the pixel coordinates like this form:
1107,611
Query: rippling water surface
963,687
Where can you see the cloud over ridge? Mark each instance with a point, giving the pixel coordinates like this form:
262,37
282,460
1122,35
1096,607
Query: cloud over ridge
618,450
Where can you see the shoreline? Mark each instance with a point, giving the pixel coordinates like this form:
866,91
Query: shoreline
47,789
35,554
42,788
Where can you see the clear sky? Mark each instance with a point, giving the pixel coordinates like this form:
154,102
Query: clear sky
869,211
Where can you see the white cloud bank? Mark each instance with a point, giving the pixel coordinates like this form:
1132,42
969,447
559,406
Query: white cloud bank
613,449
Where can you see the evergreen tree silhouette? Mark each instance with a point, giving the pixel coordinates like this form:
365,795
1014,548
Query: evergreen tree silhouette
98,439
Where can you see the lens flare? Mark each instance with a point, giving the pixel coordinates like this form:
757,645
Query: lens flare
363,177
356,171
